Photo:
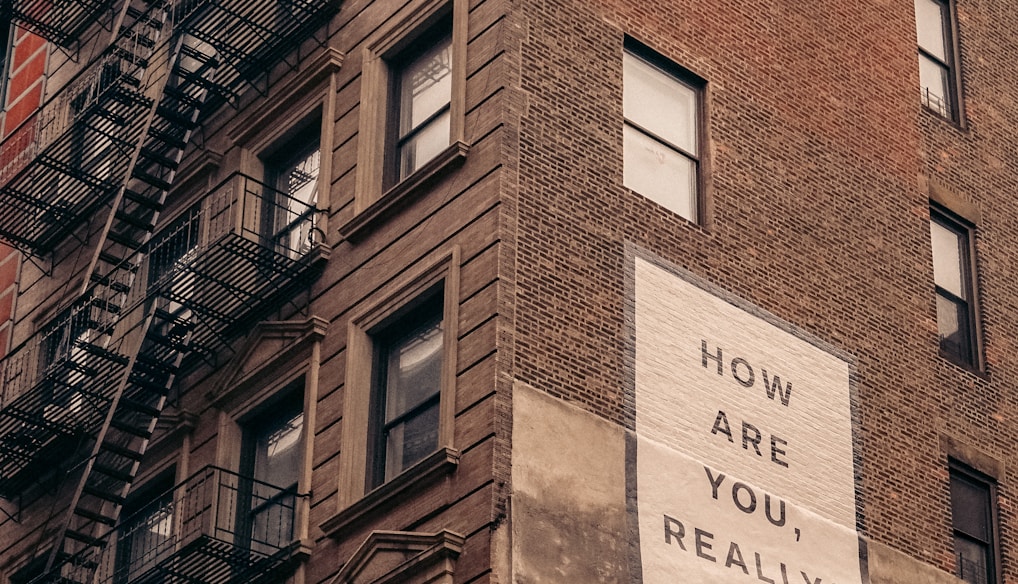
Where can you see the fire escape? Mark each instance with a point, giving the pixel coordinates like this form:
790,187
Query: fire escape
95,380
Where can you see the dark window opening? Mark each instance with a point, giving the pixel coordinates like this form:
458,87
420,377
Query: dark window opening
972,520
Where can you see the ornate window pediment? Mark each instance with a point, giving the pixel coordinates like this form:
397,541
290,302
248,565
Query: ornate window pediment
403,557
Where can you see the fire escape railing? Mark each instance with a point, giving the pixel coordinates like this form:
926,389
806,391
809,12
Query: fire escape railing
69,157
216,527
112,140
63,163
57,388
231,255
60,21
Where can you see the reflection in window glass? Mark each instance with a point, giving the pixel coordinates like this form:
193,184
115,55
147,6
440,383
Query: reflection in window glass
936,62
410,354
953,280
146,536
272,458
424,89
296,180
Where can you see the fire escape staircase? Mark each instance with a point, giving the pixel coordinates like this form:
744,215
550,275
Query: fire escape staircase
96,380
135,407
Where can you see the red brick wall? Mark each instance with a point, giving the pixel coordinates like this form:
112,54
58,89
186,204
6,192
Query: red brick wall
27,76
27,73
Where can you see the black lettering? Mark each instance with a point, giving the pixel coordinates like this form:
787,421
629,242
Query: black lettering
735,371
759,571
678,533
808,581
701,545
755,440
780,521
704,355
784,574
784,394
714,482
735,558
721,425
749,507
776,451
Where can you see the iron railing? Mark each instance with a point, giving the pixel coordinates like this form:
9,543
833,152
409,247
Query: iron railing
231,254
72,154
69,158
59,22
229,257
936,102
57,387
216,527
239,206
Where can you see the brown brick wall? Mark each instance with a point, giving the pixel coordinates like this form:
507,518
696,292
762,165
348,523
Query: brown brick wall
817,212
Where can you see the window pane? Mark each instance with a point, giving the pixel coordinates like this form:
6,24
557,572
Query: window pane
424,145
930,17
972,557
277,452
299,178
659,173
953,328
414,370
146,536
411,441
934,83
425,86
658,102
948,267
970,502
148,540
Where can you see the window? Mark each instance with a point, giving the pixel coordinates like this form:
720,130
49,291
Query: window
972,521
171,251
271,459
145,537
938,77
64,359
661,136
419,121
399,407
293,173
412,108
408,375
952,272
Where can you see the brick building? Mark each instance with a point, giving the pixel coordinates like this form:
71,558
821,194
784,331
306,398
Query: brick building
499,291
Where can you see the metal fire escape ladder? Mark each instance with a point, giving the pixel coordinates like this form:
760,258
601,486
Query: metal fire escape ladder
119,448
163,338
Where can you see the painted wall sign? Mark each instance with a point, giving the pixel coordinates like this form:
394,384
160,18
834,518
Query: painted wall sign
744,460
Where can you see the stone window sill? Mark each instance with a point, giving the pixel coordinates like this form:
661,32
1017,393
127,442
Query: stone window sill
400,194
380,500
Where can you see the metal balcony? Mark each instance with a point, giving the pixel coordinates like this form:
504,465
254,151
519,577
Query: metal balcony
232,256
72,157
216,527
61,22
56,389
249,36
